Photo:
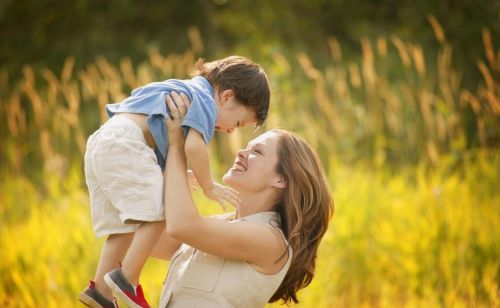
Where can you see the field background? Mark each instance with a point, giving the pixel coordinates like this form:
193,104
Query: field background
401,101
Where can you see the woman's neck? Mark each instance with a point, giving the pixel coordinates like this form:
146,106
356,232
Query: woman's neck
253,203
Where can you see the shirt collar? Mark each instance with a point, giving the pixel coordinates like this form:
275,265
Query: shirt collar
205,84
263,217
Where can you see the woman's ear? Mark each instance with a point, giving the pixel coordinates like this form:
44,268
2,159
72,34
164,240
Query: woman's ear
279,182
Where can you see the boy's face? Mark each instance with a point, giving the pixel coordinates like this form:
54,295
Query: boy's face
231,114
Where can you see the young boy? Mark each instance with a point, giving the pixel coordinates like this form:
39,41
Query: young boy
126,155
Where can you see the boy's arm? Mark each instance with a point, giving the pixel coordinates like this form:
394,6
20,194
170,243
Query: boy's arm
197,154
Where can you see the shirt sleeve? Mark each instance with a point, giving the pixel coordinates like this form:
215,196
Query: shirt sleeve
201,116
148,100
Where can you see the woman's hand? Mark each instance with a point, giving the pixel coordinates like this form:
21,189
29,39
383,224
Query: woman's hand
178,106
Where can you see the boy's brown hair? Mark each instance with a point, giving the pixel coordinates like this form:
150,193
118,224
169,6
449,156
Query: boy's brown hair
246,78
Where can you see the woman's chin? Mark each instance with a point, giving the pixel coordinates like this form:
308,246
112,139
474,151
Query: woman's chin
230,178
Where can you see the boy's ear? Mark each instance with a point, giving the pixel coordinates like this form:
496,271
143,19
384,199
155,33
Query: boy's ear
226,95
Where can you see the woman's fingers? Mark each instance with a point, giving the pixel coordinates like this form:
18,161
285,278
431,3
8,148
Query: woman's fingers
173,122
181,102
174,112
186,103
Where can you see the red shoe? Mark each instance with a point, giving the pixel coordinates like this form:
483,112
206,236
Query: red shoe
124,290
93,298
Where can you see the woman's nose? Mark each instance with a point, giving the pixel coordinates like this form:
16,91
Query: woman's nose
242,152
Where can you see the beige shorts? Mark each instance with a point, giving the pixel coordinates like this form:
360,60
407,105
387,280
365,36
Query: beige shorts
124,179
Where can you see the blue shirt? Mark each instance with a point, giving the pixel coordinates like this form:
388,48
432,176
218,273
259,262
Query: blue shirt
150,100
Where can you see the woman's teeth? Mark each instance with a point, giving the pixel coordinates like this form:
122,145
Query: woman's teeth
239,168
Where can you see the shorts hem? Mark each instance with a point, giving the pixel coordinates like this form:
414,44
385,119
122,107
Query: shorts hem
139,219
102,233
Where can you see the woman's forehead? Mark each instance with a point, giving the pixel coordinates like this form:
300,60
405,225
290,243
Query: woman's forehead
266,138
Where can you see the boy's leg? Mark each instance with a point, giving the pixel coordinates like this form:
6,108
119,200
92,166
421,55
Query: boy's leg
113,251
144,241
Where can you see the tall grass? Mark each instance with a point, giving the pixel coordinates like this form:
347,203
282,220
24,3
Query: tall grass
411,156
417,239
396,103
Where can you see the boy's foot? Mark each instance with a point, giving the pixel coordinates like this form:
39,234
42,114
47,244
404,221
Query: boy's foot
133,297
93,298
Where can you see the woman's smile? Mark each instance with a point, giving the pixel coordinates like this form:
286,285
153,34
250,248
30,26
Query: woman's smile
239,166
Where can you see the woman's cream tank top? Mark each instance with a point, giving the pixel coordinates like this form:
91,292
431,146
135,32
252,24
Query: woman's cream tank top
198,279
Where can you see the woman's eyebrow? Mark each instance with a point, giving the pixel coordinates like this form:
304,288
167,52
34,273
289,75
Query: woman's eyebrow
250,145
260,146
253,144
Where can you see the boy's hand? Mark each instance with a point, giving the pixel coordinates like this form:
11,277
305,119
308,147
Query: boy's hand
221,193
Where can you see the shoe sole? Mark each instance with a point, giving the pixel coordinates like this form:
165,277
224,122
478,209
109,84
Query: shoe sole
88,301
117,291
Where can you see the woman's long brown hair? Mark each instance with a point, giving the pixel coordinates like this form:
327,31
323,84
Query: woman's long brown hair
305,208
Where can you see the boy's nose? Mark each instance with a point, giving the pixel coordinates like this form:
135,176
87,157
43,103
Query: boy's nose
230,130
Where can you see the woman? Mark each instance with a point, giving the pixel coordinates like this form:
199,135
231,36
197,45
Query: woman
264,252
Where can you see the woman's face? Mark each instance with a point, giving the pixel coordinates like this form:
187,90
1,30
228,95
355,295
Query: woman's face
254,167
